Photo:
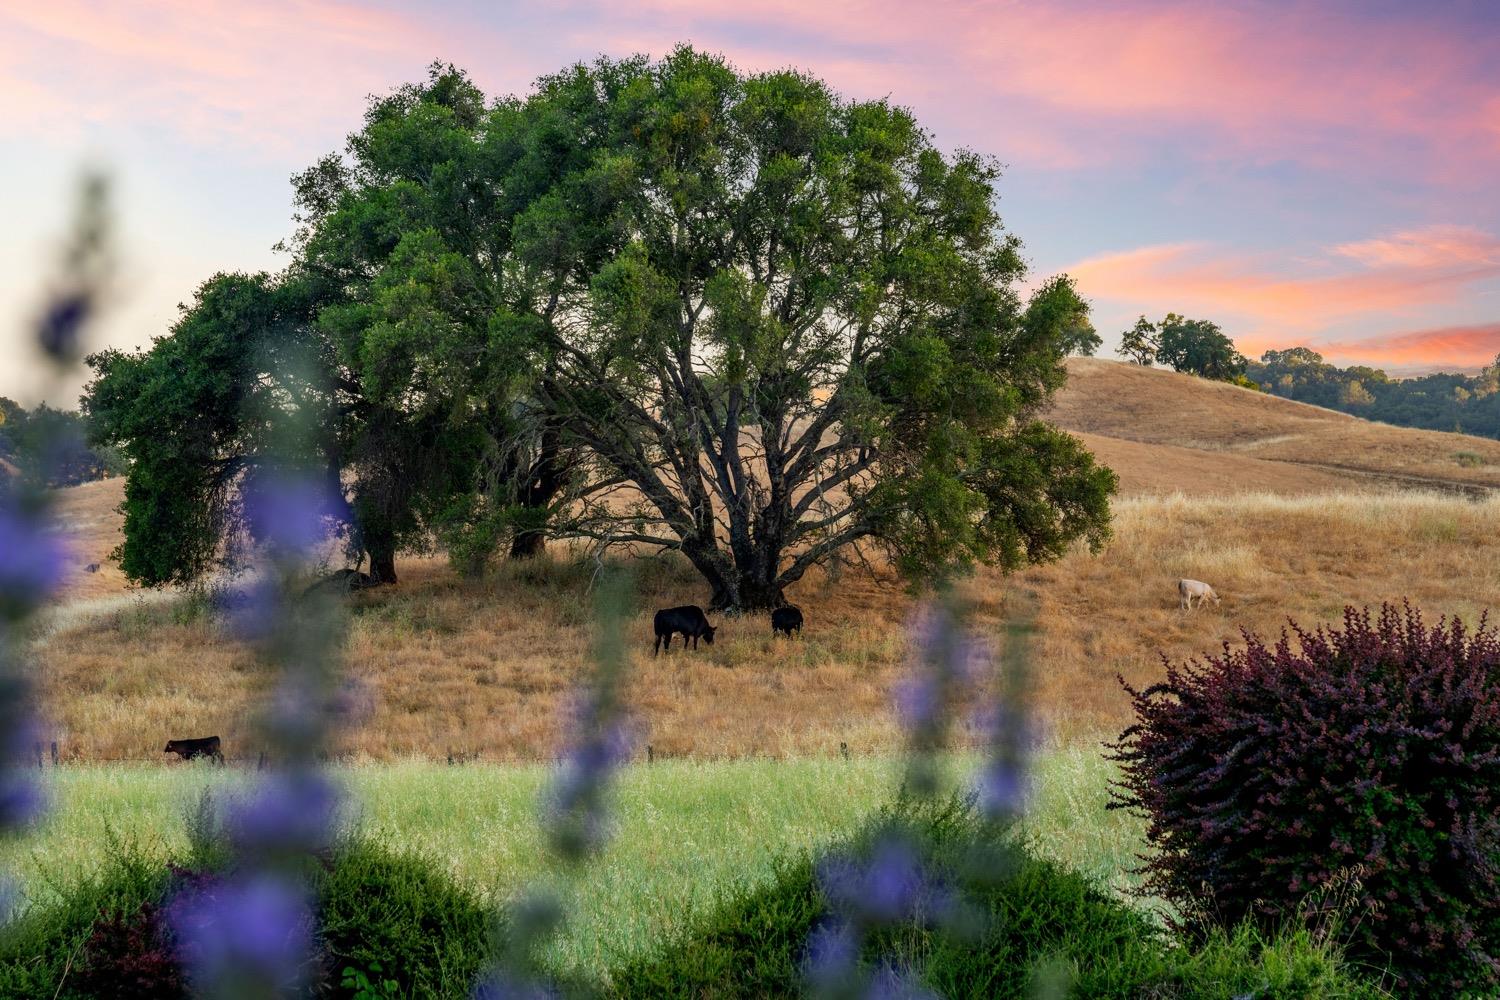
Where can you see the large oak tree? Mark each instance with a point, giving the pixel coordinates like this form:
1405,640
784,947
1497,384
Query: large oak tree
808,333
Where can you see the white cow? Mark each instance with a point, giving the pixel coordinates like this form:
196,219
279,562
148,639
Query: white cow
1189,589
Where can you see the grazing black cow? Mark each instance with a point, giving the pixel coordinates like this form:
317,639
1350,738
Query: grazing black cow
689,620
787,619
203,746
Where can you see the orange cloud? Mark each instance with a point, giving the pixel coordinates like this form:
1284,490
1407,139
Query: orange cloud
1448,347
1397,273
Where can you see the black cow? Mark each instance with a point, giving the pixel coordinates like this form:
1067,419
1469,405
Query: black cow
689,620
787,619
203,746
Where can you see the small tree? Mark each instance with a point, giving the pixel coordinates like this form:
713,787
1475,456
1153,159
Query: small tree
1139,342
1198,347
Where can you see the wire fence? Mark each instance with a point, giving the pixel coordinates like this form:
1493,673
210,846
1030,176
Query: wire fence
53,755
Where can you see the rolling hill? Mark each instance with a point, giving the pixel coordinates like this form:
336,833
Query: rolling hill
1165,432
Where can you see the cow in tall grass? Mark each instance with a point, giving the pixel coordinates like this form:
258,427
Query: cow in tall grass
689,620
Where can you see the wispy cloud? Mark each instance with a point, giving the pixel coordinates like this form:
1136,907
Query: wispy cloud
1391,274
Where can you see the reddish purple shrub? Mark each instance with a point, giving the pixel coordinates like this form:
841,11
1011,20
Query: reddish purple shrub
131,956
1265,773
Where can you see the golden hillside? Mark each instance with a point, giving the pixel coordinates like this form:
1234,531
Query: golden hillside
1165,432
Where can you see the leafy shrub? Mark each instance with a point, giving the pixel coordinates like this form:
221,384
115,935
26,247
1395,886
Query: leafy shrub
131,957
395,920
1036,924
1269,773
403,917
1469,459
38,947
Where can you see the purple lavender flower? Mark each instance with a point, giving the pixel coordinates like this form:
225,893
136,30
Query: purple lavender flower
288,814
288,512
1003,788
249,936
35,561
887,888
832,961
575,800
256,611
892,983
61,325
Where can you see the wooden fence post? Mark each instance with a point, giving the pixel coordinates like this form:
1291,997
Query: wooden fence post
650,754
260,765
843,749
54,753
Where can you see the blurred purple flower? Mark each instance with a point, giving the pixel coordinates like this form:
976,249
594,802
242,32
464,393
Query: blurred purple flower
832,957
1003,788
21,799
256,612
289,512
891,983
289,813
60,326
886,888
34,563
575,800
252,935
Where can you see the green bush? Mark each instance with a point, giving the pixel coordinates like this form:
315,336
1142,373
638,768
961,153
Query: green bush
1038,925
38,948
400,917
395,921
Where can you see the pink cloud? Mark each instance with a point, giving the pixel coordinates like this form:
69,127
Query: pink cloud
1058,84
1394,274
1450,347
1297,82
274,73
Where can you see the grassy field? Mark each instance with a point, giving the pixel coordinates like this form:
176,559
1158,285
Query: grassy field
686,830
486,666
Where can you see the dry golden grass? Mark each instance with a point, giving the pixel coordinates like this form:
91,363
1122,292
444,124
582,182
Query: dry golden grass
487,667
1155,407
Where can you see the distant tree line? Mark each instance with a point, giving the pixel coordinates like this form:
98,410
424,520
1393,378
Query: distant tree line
1444,401
52,445
656,304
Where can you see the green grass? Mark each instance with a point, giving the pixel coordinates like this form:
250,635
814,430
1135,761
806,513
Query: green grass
688,832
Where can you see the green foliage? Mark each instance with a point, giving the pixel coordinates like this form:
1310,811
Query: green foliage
1035,925
396,925
192,415
1139,342
38,947
731,253
368,984
1197,347
401,919
1443,401
50,443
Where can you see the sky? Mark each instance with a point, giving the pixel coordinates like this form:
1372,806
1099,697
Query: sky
1302,173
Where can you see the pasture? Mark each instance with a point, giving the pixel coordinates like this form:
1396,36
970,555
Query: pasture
485,667
685,831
